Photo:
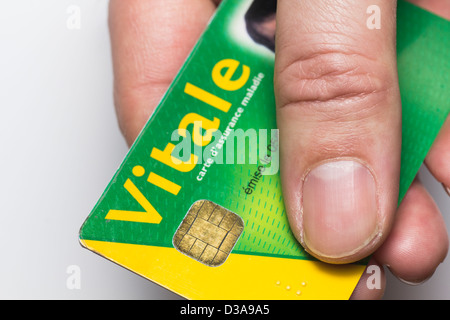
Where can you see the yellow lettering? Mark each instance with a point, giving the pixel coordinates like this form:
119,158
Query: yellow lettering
163,183
224,81
199,123
173,162
207,97
150,215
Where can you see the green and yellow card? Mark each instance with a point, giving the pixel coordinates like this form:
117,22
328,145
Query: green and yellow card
196,206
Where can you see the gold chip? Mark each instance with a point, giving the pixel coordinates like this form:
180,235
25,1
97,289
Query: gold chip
208,233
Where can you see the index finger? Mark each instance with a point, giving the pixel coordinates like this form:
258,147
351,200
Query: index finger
150,40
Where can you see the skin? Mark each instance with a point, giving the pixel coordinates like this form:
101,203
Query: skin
348,108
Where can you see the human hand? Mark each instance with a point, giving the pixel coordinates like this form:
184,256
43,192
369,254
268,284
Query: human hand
339,115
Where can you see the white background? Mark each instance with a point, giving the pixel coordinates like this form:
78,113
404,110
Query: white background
60,145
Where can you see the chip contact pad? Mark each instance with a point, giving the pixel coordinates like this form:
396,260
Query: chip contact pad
208,233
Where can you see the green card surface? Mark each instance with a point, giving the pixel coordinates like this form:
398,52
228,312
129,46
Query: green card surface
204,146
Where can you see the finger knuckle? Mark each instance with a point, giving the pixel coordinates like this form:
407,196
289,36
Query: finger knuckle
337,83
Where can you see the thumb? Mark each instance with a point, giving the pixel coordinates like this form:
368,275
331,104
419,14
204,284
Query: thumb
339,116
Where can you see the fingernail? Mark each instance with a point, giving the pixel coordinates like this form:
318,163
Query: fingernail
447,189
340,212
414,282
